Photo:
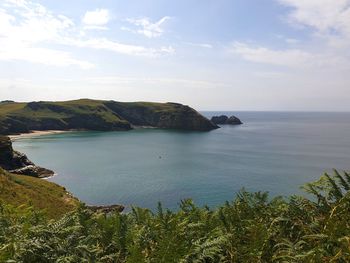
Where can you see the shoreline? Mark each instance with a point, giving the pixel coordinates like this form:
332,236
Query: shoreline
138,127
36,133
49,177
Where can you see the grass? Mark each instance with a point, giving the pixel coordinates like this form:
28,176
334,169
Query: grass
20,190
61,112
66,109
8,108
97,115
80,106
154,106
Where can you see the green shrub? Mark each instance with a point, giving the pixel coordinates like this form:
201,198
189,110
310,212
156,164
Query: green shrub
251,228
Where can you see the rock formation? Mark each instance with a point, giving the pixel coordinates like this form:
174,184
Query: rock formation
219,119
233,120
18,163
223,119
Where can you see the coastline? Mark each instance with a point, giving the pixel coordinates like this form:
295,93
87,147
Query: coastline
143,127
48,177
36,133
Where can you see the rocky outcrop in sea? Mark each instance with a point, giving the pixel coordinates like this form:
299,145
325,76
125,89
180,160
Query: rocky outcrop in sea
223,119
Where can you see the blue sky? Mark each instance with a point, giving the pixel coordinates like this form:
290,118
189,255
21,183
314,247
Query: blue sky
212,55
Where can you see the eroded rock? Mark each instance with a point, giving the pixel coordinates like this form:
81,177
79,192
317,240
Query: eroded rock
223,119
18,163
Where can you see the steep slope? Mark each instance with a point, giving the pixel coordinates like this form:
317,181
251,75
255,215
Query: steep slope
162,115
19,190
97,115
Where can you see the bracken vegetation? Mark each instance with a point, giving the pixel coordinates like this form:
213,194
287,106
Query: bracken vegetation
251,228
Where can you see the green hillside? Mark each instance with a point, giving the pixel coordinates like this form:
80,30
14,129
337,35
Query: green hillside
97,115
21,190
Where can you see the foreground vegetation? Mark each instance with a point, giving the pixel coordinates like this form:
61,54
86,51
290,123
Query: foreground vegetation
251,228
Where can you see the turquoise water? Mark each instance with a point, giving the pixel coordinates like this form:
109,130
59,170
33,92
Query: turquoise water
275,152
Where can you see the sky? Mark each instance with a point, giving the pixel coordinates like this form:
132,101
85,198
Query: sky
264,55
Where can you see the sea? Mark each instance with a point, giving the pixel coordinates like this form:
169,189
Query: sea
275,152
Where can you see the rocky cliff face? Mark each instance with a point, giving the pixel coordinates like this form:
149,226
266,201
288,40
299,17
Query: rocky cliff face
98,115
10,159
9,125
168,115
17,162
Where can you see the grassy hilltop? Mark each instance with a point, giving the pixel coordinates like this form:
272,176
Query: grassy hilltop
98,115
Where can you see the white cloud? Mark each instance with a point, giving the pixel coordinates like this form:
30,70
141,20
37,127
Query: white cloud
202,45
146,27
42,56
32,24
330,19
105,44
20,36
269,74
32,33
293,58
290,57
95,28
329,23
156,81
292,41
96,19
324,15
167,50
288,40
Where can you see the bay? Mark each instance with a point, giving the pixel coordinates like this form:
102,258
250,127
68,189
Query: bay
272,151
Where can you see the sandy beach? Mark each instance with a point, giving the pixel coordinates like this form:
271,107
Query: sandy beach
36,133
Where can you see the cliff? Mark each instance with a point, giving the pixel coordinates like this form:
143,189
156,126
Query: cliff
17,162
98,115
161,115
